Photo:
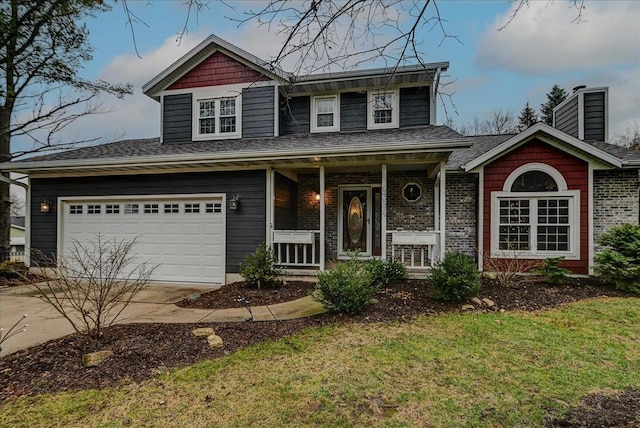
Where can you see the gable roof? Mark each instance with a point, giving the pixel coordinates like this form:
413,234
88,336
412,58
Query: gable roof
201,52
601,151
303,148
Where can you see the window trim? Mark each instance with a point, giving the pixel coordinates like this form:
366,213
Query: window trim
216,96
395,109
574,224
535,166
336,114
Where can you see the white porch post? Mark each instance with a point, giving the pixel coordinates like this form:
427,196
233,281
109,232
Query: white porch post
443,202
270,205
322,222
383,213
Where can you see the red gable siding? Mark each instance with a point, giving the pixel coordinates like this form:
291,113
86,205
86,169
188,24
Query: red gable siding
218,69
575,172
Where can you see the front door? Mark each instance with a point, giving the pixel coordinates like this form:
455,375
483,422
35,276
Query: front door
359,217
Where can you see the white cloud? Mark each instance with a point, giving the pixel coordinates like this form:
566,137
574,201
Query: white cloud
137,115
543,39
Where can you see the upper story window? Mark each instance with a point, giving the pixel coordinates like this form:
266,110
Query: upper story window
217,115
325,114
382,110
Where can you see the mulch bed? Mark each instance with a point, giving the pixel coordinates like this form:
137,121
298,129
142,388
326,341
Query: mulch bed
143,350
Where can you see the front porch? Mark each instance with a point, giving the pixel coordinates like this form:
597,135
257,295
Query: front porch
388,210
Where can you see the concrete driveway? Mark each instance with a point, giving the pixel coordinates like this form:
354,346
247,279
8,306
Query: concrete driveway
154,304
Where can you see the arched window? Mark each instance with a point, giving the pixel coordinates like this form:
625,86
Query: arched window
535,215
534,181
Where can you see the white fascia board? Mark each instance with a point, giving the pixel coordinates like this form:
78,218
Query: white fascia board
241,54
235,156
542,128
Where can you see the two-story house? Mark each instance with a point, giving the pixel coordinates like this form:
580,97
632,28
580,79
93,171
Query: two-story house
322,165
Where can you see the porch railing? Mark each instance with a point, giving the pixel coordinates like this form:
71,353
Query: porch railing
297,248
415,249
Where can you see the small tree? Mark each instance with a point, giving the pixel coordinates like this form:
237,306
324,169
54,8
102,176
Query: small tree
94,283
528,117
261,268
554,97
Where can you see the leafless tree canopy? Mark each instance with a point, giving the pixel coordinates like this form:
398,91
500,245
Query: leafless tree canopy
497,123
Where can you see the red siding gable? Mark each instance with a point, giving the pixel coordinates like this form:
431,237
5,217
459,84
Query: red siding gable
575,172
218,69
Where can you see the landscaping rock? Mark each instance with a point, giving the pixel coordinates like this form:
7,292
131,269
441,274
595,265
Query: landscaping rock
203,332
95,358
468,307
488,302
215,341
476,301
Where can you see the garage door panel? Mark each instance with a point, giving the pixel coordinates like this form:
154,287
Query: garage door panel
188,246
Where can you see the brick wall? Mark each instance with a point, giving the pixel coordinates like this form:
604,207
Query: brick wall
462,213
615,199
401,214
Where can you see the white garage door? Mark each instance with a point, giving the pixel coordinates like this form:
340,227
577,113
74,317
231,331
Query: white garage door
184,235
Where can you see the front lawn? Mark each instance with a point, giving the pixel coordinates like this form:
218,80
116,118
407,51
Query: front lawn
457,369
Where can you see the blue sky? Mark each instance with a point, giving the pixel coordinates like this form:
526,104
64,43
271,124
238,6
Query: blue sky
489,69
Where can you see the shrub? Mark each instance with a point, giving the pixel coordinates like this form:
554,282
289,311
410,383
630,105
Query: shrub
94,282
385,272
619,263
346,288
261,268
509,272
550,269
13,270
455,278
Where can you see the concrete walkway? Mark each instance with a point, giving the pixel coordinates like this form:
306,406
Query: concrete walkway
153,305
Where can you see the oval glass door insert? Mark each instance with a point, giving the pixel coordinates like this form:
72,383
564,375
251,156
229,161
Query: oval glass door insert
356,219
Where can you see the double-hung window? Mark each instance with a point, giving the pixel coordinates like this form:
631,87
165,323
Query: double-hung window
382,110
217,117
325,114
535,216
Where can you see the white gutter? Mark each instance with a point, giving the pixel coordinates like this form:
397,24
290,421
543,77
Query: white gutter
10,181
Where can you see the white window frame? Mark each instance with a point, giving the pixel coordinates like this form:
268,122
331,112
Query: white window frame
336,114
533,197
216,96
395,110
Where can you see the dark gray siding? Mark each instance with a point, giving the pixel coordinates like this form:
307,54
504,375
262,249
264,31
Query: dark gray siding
566,118
286,203
353,111
594,116
245,227
295,114
258,112
415,106
177,117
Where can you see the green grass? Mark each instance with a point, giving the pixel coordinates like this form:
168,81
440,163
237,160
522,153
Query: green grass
509,369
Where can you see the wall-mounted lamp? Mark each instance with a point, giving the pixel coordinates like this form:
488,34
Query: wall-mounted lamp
317,197
46,206
234,203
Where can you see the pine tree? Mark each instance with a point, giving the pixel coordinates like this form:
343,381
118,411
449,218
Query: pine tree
554,97
528,117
